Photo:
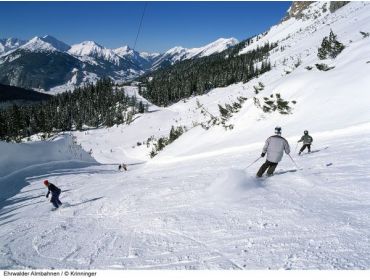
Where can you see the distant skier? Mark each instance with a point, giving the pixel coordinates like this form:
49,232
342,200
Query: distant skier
55,192
122,166
274,147
307,141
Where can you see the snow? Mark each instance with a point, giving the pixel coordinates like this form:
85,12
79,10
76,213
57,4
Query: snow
147,55
87,77
18,156
10,44
36,44
46,43
92,49
212,48
59,45
133,91
96,55
124,51
195,205
203,214
12,58
178,53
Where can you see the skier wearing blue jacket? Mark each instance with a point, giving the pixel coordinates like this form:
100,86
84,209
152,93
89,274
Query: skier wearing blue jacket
55,192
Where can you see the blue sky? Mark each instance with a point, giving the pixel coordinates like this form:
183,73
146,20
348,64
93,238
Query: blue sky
114,24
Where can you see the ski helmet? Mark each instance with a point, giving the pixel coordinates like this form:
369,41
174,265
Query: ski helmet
278,130
46,182
305,132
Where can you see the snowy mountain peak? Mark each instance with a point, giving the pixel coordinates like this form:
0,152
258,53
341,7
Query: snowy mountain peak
59,45
10,44
126,51
85,48
45,43
179,53
92,49
36,44
171,56
224,41
147,55
214,47
123,51
176,50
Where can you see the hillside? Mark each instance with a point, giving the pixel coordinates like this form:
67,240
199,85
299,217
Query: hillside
325,100
50,65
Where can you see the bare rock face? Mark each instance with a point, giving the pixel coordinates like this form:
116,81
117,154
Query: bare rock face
298,9
335,5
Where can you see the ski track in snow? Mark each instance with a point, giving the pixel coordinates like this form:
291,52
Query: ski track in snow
205,214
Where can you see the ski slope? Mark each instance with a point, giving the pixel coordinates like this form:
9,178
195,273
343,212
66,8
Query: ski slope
207,213
325,100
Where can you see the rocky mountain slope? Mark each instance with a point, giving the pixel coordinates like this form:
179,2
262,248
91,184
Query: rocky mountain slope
49,65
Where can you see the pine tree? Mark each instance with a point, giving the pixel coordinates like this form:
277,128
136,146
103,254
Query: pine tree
141,107
330,47
91,105
195,77
225,114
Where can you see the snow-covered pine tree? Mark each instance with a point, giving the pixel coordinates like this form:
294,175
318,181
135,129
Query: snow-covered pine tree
330,47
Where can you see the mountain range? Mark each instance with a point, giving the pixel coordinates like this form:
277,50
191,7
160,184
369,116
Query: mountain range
50,65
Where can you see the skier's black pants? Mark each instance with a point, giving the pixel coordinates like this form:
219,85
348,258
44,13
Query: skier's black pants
304,147
271,168
55,199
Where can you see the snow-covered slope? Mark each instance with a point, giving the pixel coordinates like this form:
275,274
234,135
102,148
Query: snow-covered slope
10,44
84,62
143,59
15,157
207,213
46,43
214,47
325,100
92,49
178,53
124,51
59,45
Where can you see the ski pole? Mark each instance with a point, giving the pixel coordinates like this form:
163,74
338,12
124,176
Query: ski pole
293,161
296,146
253,162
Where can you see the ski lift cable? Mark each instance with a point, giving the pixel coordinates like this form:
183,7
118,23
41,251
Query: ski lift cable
141,22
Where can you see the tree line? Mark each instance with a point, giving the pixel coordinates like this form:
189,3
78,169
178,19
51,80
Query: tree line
94,105
197,76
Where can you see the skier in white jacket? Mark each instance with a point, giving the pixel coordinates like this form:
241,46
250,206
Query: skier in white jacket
274,147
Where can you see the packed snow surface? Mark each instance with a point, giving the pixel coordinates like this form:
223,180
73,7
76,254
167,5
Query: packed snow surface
208,213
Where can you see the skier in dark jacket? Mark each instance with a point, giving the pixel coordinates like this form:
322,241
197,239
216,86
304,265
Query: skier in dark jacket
55,192
122,166
274,147
307,141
